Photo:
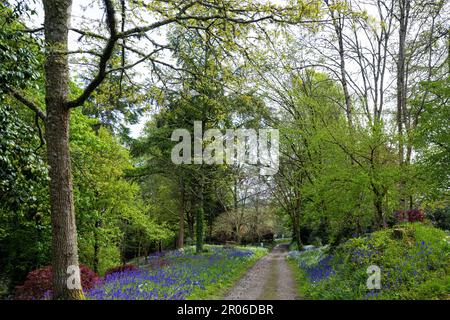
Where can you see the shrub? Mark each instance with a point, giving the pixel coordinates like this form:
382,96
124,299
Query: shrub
122,268
38,284
413,215
440,217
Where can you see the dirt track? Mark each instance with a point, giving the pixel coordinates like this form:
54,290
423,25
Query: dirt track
269,278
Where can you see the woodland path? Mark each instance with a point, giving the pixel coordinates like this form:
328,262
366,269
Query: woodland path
269,279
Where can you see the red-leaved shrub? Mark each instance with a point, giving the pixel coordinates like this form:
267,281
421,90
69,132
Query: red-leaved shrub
38,284
413,215
121,268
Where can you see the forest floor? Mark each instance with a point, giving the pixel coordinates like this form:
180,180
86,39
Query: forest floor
269,279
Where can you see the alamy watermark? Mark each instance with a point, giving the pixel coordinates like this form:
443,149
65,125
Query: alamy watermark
73,281
235,146
374,280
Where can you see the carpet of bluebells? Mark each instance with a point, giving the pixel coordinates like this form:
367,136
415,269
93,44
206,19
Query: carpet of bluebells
416,266
315,262
175,275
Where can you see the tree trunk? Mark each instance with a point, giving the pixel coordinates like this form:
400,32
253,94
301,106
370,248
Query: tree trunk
199,229
378,205
296,230
180,239
190,222
296,222
235,195
64,249
123,248
404,6
338,23
238,232
139,247
199,220
448,51
96,247
210,225
255,229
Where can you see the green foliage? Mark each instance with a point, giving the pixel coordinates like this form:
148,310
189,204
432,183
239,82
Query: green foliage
339,165
24,208
25,235
110,213
201,96
440,217
344,175
432,139
19,53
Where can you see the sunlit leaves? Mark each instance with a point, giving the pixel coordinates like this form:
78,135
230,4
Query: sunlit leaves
18,52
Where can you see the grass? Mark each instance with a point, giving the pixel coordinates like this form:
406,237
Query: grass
283,241
269,291
218,290
299,277
414,260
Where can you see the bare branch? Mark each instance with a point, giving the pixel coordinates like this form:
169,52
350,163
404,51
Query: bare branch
84,33
35,30
106,55
30,104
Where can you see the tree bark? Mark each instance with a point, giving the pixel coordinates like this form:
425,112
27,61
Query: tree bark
190,221
338,24
200,213
96,259
199,230
199,223
255,228
378,204
64,242
235,195
404,6
296,230
180,239
296,222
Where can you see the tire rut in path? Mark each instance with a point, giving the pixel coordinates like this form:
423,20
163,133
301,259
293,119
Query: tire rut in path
269,278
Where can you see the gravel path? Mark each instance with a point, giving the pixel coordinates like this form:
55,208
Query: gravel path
269,278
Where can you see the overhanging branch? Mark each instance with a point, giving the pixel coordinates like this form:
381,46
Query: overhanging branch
30,104
106,55
180,18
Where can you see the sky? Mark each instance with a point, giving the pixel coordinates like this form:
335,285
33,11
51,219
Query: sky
84,13
87,13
